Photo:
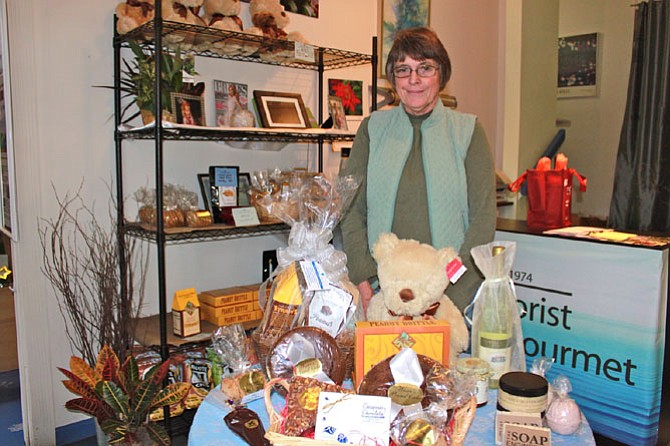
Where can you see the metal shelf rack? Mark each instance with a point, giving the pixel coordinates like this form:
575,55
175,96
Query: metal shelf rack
161,36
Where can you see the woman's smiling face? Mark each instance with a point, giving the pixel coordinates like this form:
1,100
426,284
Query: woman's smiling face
417,94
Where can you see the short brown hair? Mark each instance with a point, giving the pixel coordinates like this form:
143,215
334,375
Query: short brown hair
419,43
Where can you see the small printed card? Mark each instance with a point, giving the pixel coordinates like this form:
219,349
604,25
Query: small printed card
518,418
519,435
330,309
245,216
304,52
315,276
353,419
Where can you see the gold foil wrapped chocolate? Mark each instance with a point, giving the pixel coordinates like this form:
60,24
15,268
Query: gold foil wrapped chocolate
420,432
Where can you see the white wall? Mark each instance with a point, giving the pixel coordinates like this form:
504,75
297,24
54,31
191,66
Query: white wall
63,135
592,139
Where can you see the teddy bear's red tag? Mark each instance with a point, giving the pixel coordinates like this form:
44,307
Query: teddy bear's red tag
455,269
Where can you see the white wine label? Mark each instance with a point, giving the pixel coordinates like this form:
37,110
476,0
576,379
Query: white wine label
496,349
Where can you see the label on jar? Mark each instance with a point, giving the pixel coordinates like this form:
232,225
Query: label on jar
482,391
527,404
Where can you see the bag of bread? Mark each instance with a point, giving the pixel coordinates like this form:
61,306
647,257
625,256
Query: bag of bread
242,380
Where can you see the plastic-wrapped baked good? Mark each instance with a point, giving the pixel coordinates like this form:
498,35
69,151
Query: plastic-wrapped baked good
242,380
198,218
176,200
172,218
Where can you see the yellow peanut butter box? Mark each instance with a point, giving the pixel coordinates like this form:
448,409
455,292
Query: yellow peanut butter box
228,319
377,340
227,296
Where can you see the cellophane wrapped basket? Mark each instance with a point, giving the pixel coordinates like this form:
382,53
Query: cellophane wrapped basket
461,421
312,204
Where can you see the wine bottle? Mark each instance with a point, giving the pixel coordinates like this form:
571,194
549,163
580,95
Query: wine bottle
494,324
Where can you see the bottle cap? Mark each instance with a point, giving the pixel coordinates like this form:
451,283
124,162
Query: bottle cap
497,250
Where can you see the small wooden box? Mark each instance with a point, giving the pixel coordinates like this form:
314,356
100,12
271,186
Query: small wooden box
377,340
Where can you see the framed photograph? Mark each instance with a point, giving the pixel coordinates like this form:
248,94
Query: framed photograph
188,109
205,193
351,93
397,15
310,8
578,66
336,111
223,183
230,98
243,188
281,110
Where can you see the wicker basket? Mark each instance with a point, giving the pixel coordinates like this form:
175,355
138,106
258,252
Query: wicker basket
458,430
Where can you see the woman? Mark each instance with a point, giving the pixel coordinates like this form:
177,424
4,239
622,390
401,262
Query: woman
427,170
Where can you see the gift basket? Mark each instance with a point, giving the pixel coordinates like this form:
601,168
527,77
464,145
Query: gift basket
425,404
310,286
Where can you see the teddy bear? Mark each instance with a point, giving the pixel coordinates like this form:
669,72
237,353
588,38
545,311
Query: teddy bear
270,20
224,15
182,11
133,13
412,280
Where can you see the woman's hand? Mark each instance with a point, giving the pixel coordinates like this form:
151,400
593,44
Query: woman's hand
365,289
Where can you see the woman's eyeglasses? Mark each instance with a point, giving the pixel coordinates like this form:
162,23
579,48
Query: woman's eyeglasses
423,70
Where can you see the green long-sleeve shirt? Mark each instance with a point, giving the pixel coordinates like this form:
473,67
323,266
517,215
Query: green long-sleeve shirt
411,208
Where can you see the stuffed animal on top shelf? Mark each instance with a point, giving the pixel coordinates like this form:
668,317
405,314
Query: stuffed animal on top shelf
269,16
182,11
270,20
412,280
133,13
224,15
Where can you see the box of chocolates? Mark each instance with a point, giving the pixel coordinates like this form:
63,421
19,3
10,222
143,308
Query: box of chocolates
377,340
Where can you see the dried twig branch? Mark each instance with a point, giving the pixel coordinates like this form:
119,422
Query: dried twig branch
98,300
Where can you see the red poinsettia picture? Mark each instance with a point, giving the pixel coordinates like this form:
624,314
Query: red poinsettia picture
351,93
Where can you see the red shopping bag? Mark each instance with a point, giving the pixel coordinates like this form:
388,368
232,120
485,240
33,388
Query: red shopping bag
549,196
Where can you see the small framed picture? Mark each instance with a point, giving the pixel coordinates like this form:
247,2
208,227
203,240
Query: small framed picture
205,192
578,66
243,187
188,109
336,110
223,182
281,110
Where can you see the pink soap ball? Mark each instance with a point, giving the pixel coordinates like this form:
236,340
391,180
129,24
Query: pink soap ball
563,416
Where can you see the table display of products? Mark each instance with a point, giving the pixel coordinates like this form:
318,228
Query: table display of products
308,396
209,429
414,398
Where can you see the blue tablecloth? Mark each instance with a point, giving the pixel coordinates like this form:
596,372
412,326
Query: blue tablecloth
209,429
